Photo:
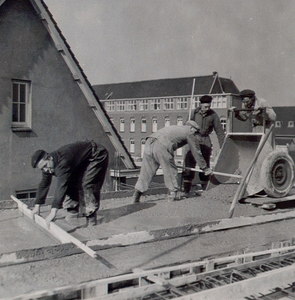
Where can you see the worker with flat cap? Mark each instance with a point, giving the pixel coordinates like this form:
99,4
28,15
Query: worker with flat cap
80,169
258,111
208,120
159,151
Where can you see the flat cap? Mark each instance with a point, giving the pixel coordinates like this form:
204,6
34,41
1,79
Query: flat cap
206,99
36,157
193,124
247,93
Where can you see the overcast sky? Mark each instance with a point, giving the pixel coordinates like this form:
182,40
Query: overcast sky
250,41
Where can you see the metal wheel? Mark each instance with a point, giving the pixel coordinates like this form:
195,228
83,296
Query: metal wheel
277,172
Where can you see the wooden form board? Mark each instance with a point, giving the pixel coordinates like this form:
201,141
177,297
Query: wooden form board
53,229
99,289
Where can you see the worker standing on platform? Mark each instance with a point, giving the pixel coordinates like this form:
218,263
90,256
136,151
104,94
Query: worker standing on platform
159,151
208,120
259,111
80,169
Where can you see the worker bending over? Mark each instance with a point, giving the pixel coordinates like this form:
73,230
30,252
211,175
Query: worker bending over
80,169
159,151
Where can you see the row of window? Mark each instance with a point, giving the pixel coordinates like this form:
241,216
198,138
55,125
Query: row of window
21,108
279,124
180,103
143,123
142,144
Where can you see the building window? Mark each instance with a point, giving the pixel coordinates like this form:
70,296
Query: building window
155,104
21,105
131,105
132,125
167,121
179,121
290,124
181,103
219,102
223,123
143,104
154,124
110,106
121,105
278,124
142,145
143,125
168,103
26,194
132,146
122,125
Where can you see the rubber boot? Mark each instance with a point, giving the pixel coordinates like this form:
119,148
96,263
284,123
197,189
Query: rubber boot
92,219
186,188
136,196
204,185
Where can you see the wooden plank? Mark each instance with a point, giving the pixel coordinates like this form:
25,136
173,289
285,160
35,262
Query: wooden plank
214,173
165,283
54,229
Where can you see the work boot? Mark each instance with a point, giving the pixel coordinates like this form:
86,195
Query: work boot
204,186
173,196
136,196
186,188
91,219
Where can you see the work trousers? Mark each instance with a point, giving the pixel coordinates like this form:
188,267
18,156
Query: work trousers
187,175
156,155
85,185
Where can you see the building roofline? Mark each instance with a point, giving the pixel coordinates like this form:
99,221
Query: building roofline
80,78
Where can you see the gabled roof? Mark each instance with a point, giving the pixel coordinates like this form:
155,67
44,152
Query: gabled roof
81,79
166,87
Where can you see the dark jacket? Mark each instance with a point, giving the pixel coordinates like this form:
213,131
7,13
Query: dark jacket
208,123
69,160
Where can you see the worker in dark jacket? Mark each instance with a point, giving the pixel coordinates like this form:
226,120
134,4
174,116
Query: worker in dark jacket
208,120
80,169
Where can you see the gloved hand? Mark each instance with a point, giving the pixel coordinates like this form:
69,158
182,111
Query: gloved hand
232,108
36,210
207,171
51,216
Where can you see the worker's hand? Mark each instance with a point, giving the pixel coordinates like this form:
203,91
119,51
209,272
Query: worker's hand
51,216
232,108
257,111
207,171
36,210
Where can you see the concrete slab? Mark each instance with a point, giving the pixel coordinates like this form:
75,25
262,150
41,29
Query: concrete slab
124,223
19,233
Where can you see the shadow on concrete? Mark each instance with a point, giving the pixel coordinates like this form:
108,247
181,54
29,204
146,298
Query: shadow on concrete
109,215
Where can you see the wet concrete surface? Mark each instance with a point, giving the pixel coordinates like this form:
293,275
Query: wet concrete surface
18,232
119,216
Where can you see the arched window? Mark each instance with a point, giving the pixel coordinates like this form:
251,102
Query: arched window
143,125
167,121
223,122
179,121
122,125
132,146
132,125
154,124
142,145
